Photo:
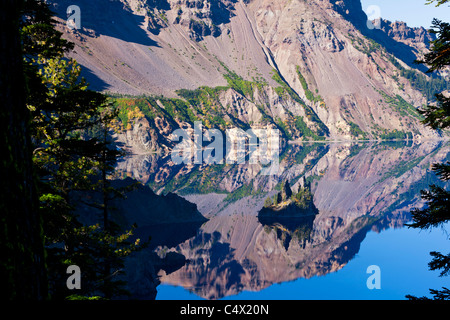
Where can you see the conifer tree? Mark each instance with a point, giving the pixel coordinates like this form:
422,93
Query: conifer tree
437,210
22,268
71,161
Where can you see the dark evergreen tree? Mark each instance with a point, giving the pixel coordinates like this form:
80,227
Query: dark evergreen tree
437,210
72,163
22,269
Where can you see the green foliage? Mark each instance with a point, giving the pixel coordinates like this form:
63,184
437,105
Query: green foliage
307,149
77,297
443,294
242,86
303,198
286,91
72,157
401,106
276,199
301,126
242,192
439,57
437,116
284,128
437,209
439,262
198,182
204,104
268,203
309,94
394,135
402,168
429,86
438,2
38,33
365,45
355,130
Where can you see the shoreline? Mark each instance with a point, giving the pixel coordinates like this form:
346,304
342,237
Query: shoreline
368,140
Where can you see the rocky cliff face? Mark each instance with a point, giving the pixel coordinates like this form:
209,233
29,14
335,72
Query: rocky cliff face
338,59
294,57
418,38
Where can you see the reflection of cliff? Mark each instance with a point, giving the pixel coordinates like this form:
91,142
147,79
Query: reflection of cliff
357,176
162,174
158,218
357,188
244,254
145,208
289,229
373,180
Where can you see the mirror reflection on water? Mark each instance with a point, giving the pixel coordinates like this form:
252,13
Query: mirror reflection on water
360,193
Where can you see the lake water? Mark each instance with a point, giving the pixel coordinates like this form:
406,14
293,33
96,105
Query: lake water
363,192
401,254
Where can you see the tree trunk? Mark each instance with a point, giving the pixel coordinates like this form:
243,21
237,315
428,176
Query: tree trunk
22,266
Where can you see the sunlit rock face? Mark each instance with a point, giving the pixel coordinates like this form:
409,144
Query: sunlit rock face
345,77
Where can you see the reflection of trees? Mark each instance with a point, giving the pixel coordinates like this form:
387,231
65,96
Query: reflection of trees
162,174
291,215
289,229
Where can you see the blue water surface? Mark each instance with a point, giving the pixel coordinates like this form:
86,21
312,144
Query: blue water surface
401,254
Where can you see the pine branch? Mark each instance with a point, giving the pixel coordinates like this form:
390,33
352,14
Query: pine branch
439,262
